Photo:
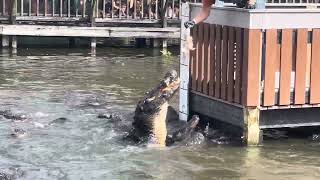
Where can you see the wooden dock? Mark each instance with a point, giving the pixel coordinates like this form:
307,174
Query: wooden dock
154,19
254,69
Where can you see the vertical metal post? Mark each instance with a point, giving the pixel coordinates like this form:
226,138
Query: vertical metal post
184,65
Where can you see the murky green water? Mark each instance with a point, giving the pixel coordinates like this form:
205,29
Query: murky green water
47,84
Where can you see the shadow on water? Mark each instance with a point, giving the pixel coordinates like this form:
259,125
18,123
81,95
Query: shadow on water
47,84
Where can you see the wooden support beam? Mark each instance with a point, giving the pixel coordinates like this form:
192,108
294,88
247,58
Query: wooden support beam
65,31
252,133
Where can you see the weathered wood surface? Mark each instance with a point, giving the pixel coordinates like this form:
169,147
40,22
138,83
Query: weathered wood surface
286,67
71,31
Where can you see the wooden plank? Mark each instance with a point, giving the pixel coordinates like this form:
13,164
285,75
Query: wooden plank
239,61
300,80
212,59
206,59
218,62
315,68
194,59
270,67
285,67
224,63
74,31
251,67
200,57
231,54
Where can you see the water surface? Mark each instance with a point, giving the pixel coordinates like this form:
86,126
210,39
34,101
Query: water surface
47,84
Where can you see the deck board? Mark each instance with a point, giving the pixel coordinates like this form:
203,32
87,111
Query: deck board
73,31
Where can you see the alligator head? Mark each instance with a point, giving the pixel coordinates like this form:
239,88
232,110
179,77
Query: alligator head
151,111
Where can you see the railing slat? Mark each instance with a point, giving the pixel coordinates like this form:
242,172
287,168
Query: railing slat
194,59
45,7
21,6
97,8
218,62
37,9
206,58
30,5
84,8
156,9
104,9
69,8
301,66
251,67
3,7
200,58
231,54
270,67
315,68
61,7
212,60
53,8
239,61
285,67
224,63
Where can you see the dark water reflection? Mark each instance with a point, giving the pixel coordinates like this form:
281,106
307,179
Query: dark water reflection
47,84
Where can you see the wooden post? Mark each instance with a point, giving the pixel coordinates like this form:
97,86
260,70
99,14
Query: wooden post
14,42
5,41
93,46
155,42
252,132
184,66
13,16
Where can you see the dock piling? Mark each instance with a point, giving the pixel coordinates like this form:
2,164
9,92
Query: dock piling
252,132
5,41
14,43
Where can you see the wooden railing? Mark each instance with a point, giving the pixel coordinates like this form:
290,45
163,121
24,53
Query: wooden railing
253,67
109,9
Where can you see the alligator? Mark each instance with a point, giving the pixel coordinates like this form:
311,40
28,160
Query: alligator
151,115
